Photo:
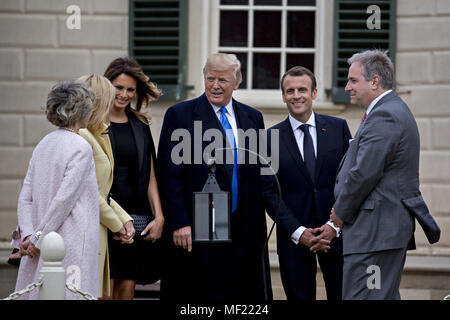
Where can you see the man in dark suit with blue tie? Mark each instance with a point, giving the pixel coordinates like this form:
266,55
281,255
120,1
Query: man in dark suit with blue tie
311,146
205,272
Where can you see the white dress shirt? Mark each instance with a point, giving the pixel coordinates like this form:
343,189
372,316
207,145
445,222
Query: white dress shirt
231,119
374,101
299,135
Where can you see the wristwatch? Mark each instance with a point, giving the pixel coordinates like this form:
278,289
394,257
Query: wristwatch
37,235
337,229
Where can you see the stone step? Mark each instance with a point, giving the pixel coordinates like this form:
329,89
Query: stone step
147,292
424,278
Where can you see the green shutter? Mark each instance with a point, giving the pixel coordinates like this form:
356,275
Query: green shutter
157,32
352,35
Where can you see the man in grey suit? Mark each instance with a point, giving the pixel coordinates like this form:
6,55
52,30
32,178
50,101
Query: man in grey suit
379,173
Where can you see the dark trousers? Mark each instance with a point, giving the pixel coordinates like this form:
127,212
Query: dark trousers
212,273
298,275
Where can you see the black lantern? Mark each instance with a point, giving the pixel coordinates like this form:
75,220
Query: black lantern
211,218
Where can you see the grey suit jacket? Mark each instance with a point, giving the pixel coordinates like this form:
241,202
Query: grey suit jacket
378,172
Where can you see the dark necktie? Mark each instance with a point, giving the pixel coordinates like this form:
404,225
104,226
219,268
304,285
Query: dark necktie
230,137
308,151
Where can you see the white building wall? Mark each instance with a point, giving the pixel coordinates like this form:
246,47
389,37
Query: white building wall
37,50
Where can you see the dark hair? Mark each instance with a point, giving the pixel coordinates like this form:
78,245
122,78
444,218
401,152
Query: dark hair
298,71
69,102
146,90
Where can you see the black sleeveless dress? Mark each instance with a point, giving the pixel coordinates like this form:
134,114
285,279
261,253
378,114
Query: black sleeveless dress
130,261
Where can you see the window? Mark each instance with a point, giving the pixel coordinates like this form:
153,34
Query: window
268,37
351,35
157,41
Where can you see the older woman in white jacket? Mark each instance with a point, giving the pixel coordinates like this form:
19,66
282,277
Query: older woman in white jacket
60,193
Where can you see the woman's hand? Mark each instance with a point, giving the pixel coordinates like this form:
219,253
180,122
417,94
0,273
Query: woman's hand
27,248
122,236
130,229
127,236
155,227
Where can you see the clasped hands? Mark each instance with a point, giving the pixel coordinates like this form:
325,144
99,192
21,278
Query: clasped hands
319,239
27,248
126,233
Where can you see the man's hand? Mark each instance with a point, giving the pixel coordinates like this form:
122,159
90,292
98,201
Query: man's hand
182,238
327,233
309,239
337,222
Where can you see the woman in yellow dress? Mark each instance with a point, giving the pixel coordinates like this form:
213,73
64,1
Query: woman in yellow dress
112,216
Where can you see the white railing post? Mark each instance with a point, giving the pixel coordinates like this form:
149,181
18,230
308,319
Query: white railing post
52,271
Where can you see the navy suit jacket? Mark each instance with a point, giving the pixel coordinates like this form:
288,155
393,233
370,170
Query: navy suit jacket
302,197
179,181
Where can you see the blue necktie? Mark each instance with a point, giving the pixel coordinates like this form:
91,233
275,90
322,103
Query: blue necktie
308,151
230,137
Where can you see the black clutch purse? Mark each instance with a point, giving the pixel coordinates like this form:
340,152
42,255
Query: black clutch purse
140,222
13,258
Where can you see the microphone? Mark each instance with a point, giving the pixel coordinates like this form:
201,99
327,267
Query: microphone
275,216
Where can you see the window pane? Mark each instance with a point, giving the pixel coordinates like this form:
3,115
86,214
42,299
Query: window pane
233,28
242,56
266,71
268,2
267,29
301,2
234,2
303,59
300,29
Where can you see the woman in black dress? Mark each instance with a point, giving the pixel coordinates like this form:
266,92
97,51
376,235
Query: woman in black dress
134,185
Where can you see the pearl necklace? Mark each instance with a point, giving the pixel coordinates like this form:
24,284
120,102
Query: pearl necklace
69,129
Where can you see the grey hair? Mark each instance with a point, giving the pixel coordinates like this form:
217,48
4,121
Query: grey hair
69,102
375,62
224,62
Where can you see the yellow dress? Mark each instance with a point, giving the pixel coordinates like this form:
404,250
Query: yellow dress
112,216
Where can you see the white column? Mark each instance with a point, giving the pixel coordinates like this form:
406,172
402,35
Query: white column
52,271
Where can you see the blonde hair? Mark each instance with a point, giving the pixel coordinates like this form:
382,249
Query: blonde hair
224,62
104,99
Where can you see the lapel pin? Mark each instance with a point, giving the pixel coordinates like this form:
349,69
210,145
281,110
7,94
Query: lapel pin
324,130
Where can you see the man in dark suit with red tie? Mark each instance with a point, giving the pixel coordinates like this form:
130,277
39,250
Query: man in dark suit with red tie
205,272
311,146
